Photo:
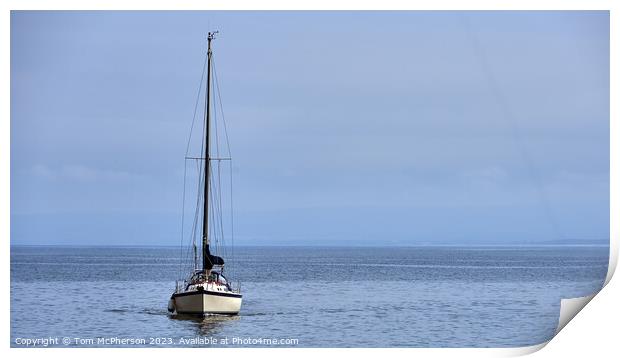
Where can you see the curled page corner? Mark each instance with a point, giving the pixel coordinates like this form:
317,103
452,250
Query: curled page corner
569,307
523,351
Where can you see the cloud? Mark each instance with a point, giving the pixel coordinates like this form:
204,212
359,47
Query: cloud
81,173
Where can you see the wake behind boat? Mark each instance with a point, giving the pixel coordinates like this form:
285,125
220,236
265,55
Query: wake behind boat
206,290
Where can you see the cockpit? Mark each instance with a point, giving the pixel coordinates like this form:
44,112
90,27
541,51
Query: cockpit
217,278
214,277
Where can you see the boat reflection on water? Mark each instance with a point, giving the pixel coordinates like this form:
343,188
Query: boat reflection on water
206,325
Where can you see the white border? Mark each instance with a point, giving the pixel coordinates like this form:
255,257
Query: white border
596,325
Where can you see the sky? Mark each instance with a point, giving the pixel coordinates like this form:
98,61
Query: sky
346,128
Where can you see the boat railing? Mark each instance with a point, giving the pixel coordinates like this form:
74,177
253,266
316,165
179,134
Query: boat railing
235,286
177,286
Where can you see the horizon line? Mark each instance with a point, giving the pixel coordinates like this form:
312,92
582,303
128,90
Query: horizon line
323,245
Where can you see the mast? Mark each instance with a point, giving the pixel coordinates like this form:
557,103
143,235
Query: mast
206,261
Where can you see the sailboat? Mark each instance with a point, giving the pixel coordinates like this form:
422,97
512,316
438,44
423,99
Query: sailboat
206,290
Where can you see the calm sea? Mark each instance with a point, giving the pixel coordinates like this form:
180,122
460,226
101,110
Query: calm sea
321,297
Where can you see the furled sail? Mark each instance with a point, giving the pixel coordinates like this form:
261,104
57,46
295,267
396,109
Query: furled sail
211,260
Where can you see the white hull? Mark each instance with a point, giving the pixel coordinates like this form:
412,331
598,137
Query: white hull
206,302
